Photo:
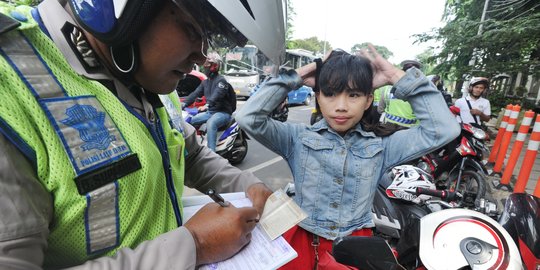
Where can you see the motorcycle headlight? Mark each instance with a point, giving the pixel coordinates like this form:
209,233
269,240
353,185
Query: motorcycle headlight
478,133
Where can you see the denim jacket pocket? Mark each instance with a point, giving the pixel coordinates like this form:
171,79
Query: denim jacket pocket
366,168
311,171
364,158
316,143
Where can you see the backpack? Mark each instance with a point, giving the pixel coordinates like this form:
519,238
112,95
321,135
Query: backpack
231,97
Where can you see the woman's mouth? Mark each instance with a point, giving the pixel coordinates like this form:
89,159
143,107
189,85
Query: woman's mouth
341,120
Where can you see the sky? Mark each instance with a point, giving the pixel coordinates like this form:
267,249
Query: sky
388,23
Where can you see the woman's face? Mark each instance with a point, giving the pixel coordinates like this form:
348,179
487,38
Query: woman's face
168,48
344,110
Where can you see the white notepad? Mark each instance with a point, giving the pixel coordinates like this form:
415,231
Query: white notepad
261,253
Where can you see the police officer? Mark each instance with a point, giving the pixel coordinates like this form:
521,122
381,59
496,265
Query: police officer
93,151
396,111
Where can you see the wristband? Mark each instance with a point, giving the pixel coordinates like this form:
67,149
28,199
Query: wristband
318,67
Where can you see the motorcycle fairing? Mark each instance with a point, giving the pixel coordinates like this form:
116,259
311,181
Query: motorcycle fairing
521,218
365,252
463,235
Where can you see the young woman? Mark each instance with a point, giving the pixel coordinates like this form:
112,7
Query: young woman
337,162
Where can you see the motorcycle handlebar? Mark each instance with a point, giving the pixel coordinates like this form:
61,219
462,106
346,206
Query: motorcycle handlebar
445,195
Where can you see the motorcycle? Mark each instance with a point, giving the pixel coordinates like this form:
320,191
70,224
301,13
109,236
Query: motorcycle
232,140
416,224
459,165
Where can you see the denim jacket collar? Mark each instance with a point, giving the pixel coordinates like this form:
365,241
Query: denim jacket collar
322,124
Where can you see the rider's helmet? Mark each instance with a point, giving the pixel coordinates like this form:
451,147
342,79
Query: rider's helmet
478,80
118,23
405,180
213,63
409,64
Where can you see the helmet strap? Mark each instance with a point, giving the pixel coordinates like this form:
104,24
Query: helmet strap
125,58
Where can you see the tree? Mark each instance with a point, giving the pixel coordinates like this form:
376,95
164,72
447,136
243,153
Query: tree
311,44
290,28
508,42
383,51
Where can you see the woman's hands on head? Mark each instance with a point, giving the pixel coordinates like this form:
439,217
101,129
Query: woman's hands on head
309,71
384,72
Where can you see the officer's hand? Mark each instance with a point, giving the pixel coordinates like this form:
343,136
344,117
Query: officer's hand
258,194
220,232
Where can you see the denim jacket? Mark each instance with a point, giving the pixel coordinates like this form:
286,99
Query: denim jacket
335,177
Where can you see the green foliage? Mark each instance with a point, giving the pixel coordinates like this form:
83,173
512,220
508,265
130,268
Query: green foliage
311,44
23,2
385,52
290,28
499,100
508,41
520,91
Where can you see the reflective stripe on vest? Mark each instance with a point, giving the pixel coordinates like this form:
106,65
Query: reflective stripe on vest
101,217
399,119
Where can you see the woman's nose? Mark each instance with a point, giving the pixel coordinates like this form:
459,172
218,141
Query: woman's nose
341,103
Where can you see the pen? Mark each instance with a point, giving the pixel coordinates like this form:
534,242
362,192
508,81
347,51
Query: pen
217,198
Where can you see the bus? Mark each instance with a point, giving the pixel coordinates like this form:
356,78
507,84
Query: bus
245,67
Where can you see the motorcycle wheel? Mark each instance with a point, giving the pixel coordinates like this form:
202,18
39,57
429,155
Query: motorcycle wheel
472,186
239,152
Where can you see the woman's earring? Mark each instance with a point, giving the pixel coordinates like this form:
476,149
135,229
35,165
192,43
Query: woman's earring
123,58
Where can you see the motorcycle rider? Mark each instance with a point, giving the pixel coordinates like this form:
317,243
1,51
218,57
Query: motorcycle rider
93,152
474,109
220,100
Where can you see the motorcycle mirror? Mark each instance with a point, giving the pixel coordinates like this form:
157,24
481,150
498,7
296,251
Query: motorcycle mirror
365,252
187,85
455,110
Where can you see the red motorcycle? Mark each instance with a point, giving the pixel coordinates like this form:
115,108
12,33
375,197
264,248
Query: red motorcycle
458,166
190,83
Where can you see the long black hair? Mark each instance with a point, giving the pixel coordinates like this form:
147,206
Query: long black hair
346,72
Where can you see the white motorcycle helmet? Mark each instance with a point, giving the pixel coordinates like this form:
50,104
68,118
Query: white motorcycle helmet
466,239
406,179
118,23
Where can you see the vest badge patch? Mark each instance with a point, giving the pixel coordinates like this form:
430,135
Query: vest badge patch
90,137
